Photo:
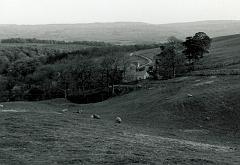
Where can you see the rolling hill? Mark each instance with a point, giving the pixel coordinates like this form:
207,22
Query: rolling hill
189,120
120,32
53,132
224,55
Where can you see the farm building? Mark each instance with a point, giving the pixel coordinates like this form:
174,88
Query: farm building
133,73
142,75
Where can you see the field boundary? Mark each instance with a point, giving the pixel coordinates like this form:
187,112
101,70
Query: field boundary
215,72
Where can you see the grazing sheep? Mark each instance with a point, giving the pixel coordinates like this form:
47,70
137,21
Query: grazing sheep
95,116
189,95
1,106
79,111
118,120
64,110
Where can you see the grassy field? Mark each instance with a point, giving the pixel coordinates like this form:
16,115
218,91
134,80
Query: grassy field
150,53
143,57
224,53
41,133
161,125
192,120
224,57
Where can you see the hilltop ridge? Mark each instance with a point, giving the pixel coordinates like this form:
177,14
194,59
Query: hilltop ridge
119,32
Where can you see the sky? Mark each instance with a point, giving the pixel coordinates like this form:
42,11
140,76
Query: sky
88,11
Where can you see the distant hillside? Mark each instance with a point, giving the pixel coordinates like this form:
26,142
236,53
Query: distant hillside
224,54
121,32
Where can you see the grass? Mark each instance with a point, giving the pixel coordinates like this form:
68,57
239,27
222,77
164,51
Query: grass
224,53
44,134
162,126
138,59
190,120
150,53
214,72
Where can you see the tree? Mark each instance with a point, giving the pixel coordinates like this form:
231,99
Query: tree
125,63
4,63
170,62
63,80
85,74
196,47
21,68
45,77
111,70
3,88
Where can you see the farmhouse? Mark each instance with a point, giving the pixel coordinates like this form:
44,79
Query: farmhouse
142,75
134,73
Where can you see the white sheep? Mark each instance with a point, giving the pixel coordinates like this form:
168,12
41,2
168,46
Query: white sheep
1,106
64,110
95,116
189,95
79,111
118,120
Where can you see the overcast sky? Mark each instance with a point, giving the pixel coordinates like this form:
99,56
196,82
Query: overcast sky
87,11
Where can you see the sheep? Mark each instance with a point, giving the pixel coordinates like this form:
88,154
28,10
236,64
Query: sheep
95,116
1,106
64,110
79,111
118,120
189,95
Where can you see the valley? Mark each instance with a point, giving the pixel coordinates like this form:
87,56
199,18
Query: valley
192,120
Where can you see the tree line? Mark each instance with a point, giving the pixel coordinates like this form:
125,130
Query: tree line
35,73
86,43
178,57
38,41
